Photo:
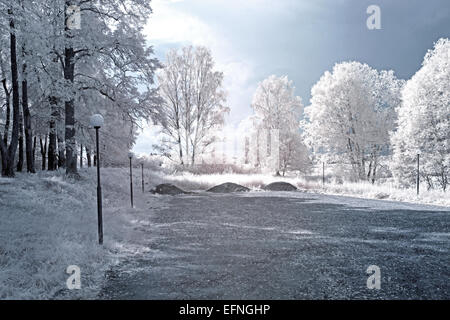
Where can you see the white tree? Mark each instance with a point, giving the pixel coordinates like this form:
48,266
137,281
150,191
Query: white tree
294,155
424,121
277,111
193,107
351,113
63,70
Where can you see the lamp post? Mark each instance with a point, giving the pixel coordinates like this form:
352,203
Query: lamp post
142,170
97,121
130,155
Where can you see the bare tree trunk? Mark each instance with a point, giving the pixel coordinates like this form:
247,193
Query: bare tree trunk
81,156
429,181
27,119
34,151
88,157
52,161
11,152
370,170
181,150
71,152
443,180
177,119
246,150
8,111
61,152
28,130
4,141
20,160
187,147
374,172
69,68
43,151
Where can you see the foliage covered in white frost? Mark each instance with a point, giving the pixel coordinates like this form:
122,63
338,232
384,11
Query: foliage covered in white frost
277,111
362,189
424,122
351,114
193,104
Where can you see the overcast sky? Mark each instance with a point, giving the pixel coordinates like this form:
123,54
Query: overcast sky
252,39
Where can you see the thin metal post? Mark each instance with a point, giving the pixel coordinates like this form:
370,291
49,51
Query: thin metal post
323,173
142,167
418,174
99,193
131,183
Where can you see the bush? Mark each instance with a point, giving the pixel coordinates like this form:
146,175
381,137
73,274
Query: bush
207,168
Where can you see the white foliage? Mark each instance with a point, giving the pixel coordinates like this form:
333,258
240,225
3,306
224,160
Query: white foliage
277,111
351,113
193,107
424,121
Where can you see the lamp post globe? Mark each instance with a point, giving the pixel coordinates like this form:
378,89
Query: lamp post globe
130,155
96,121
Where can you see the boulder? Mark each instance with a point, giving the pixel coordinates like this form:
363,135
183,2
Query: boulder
381,195
280,186
167,188
228,187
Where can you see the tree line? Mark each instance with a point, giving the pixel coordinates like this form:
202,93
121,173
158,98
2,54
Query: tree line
62,61
359,120
359,115
367,122
56,72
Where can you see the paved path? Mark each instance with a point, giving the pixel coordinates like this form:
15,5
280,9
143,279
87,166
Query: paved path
285,246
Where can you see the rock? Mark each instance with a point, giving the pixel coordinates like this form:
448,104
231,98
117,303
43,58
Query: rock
280,186
382,195
169,189
228,187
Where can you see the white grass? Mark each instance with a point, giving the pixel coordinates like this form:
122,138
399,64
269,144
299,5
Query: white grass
193,182
46,225
387,191
48,222
367,190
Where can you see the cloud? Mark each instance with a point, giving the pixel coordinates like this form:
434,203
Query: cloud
147,138
252,39
171,25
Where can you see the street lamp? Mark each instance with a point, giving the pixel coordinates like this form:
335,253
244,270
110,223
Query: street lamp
97,121
130,155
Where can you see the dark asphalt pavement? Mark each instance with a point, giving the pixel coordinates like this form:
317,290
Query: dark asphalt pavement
285,246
